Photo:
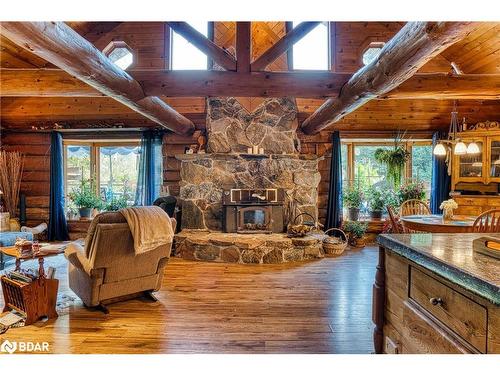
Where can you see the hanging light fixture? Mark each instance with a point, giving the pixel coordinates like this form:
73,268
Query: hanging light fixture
473,148
439,150
453,143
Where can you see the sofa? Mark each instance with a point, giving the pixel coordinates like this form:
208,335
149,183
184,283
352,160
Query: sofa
105,268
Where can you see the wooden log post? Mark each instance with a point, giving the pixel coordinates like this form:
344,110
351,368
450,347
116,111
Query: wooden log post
62,46
243,46
205,45
413,46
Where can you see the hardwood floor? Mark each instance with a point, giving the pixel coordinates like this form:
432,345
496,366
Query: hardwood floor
322,306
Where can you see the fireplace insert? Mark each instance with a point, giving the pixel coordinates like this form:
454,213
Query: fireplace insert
253,210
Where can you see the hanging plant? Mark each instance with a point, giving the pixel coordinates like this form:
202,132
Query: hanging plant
395,160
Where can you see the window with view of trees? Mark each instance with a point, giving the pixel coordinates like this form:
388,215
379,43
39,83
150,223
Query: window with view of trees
421,165
367,171
111,167
361,169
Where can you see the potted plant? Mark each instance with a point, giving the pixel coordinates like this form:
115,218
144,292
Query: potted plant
352,198
85,199
356,232
376,201
394,159
115,204
411,190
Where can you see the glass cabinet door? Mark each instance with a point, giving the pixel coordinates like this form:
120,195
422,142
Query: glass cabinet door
471,166
494,170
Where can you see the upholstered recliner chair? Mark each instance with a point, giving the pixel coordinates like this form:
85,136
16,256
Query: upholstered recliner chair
106,268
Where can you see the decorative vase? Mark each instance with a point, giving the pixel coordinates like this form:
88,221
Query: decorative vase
447,214
14,224
353,214
85,213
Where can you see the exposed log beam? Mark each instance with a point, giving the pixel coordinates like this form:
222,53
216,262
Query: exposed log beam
413,46
282,45
57,83
444,86
65,48
205,45
243,46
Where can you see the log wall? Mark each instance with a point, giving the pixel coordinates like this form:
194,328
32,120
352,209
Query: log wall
36,175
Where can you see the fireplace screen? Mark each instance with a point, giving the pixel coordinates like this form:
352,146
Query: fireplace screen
253,219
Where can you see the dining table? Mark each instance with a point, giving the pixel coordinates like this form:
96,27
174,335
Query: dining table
436,224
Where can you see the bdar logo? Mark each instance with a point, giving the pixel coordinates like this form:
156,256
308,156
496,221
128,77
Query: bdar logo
8,347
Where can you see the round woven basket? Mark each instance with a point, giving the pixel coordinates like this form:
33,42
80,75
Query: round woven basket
335,245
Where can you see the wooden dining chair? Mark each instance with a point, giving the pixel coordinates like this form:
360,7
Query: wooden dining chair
414,207
396,226
487,222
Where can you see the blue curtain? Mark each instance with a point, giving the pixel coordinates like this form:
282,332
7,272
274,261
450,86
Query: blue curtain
441,181
334,208
150,168
58,228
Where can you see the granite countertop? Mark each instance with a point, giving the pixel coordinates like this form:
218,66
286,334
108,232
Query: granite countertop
451,257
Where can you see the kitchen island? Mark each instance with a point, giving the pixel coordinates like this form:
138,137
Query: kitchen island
433,294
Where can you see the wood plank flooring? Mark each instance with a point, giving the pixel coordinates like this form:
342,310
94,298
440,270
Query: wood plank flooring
322,306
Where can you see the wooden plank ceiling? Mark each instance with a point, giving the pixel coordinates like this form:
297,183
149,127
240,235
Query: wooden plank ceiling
478,53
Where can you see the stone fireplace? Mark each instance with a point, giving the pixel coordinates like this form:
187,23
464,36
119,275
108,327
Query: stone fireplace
231,130
226,189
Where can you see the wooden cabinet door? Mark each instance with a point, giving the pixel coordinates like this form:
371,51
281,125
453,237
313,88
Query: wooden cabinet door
471,168
493,159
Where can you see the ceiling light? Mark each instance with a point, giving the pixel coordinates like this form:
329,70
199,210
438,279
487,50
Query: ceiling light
439,150
473,148
460,149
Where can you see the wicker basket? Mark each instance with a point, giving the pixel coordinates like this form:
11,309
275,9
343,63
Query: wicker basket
303,229
335,245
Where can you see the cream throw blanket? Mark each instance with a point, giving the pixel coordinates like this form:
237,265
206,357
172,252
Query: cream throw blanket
150,226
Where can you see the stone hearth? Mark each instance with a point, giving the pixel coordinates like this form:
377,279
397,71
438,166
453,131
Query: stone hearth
244,248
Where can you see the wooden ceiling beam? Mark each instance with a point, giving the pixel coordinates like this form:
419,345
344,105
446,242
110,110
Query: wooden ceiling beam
205,45
413,46
243,46
62,46
283,45
58,83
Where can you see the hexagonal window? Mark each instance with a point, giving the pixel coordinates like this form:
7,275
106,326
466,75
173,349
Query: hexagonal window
371,52
120,53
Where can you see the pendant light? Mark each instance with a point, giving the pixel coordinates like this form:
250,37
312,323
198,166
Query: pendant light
439,150
473,148
460,149
453,143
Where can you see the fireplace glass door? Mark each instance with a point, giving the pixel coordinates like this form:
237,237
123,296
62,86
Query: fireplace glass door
253,219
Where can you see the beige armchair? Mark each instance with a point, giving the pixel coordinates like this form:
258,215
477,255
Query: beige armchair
106,268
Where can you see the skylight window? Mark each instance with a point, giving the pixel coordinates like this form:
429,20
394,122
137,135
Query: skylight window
185,56
311,52
120,53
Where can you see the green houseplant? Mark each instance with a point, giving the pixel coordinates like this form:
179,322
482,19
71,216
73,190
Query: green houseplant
411,190
85,198
352,199
394,159
116,204
356,232
376,201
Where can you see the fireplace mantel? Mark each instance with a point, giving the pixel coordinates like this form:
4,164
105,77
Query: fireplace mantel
220,156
